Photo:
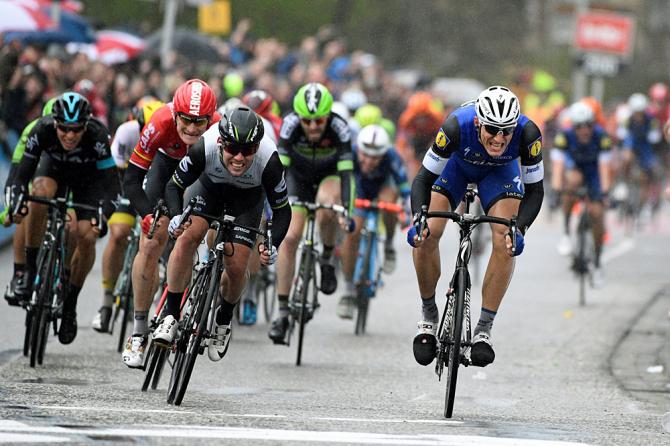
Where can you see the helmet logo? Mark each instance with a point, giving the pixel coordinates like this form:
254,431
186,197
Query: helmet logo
313,97
196,95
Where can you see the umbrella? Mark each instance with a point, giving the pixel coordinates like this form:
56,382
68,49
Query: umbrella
187,43
118,47
72,28
64,5
20,17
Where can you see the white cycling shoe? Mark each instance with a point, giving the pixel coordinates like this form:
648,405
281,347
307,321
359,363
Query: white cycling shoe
166,331
133,353
218,343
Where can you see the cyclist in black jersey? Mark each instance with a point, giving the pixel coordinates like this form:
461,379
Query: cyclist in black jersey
230,170
315,147
68,149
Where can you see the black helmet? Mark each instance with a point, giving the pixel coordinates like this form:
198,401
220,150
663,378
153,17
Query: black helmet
71,108
241,126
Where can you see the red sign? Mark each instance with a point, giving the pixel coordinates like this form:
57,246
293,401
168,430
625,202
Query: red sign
605,32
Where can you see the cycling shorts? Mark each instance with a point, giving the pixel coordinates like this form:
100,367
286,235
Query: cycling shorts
493,182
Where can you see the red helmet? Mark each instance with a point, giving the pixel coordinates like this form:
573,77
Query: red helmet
194,97
259,101
659,92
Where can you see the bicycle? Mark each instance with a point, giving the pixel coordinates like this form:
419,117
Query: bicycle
123,289
367,272
584,256
45,306
304,298
454,336
195,327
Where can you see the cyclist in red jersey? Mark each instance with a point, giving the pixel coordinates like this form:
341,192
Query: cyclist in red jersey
164,141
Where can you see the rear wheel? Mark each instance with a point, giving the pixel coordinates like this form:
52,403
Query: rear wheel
26,336
454,343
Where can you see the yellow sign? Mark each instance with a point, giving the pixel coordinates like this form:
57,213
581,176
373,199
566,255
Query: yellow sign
215,18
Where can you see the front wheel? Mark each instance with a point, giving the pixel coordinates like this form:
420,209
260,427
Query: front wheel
306,276
454,343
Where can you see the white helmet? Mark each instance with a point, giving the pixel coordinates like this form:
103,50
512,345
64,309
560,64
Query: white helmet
353,99
637,102
580,113
373,140
341,109
497,106
230,105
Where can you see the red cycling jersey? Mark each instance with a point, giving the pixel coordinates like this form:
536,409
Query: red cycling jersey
160,133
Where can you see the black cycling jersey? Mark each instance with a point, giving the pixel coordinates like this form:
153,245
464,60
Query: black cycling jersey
309,163
88,169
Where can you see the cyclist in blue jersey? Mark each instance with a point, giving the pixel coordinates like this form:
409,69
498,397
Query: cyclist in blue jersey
480,142
642,131
581,156
380,175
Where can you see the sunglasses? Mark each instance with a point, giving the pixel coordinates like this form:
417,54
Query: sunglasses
197,120
244,150
318,121
494,130
70,128
583,125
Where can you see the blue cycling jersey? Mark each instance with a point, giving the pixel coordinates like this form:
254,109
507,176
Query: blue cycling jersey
391,166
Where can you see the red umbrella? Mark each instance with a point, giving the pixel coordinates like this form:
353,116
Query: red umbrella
15,16
118,47
65,5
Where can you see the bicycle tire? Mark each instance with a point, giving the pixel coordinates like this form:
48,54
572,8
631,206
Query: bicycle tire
455,332
153,362
196,337
126,300
43,290
306,270
362,300
26,336
44,334
163,355
266,285
582,257
180,346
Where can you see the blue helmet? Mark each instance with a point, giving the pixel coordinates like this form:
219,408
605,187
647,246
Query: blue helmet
71,108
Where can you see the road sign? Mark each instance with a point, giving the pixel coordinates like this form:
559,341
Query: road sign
599,64
605,32
214,18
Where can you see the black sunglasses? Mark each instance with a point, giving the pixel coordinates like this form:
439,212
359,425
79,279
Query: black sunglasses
70,128
197,120
494,130
244,150
583,124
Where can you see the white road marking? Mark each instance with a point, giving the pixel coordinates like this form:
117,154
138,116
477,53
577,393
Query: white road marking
243,433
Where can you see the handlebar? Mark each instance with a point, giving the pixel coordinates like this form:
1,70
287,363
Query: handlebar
229,221
471,219
62,204
159,210
386,206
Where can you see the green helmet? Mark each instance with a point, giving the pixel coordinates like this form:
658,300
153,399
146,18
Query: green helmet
313,101
48,106
368,114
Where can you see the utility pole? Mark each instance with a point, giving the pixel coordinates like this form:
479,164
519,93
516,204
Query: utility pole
169,20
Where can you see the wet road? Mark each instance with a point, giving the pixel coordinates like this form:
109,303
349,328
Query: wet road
563,374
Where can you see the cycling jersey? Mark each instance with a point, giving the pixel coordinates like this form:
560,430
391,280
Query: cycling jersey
457,158
584,157
125,139
159,135
218,190
88,169
390,168
307,163
640,135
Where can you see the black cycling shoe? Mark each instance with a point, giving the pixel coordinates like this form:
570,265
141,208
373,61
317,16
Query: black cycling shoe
68,328
425,343
24,287
101,320
10,294
278,330
328,279
482,353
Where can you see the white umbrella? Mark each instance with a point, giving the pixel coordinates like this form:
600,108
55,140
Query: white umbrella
20,17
